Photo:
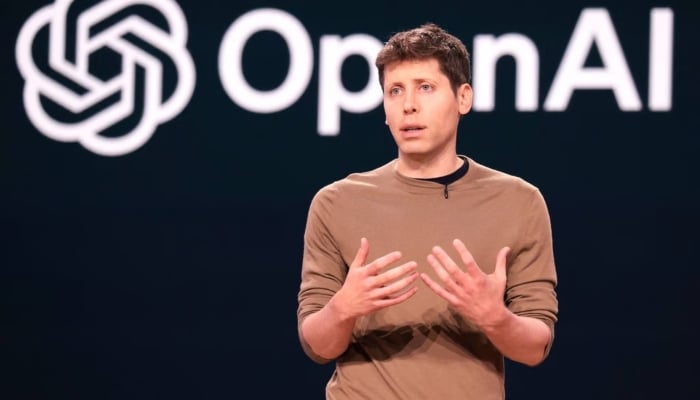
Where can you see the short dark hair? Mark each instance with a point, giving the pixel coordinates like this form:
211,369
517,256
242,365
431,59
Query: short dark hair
425,42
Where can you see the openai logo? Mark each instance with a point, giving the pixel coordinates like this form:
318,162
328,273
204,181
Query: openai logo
67,82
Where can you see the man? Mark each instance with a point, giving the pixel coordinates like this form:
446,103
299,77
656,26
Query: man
420,276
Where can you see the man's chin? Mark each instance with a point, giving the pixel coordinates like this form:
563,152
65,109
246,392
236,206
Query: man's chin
414,149
414,152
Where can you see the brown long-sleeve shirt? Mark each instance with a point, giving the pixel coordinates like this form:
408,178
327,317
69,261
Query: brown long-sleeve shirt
421,348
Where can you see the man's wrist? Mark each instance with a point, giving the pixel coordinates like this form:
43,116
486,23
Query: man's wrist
498,320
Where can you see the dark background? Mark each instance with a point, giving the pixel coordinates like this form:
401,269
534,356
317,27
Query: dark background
172,271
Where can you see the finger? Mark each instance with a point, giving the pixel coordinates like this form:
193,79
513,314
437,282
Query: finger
439,290
389,301
500,270
382,262
442,273
397,286
470,266
361,255
397,272
448,264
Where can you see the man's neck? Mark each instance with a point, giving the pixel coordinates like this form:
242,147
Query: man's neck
428,168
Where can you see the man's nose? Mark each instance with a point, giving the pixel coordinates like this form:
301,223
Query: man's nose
409,105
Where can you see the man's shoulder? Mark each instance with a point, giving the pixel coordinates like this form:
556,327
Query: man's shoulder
500,179
361,180
356,182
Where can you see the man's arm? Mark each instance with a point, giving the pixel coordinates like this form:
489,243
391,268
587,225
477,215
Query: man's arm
521,339
328,331
479,298
366,289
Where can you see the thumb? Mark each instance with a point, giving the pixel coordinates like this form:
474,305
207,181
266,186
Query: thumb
500,270
361,256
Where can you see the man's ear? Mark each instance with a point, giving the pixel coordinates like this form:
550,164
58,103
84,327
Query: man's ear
464,98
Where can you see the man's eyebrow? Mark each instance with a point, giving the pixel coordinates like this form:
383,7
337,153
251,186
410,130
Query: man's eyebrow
414,80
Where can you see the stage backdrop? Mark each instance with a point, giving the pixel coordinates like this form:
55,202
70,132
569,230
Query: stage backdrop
158,158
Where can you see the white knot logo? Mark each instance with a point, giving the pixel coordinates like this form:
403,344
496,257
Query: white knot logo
87,131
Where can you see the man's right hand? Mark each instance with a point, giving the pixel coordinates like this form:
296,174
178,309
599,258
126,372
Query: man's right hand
370,287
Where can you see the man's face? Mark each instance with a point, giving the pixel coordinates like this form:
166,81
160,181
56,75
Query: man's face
421,109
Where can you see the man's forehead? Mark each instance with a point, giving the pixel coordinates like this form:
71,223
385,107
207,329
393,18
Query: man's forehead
412,69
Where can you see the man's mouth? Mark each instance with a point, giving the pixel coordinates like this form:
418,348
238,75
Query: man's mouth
412,128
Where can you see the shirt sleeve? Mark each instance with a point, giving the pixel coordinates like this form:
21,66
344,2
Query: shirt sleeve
532,277
323,269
